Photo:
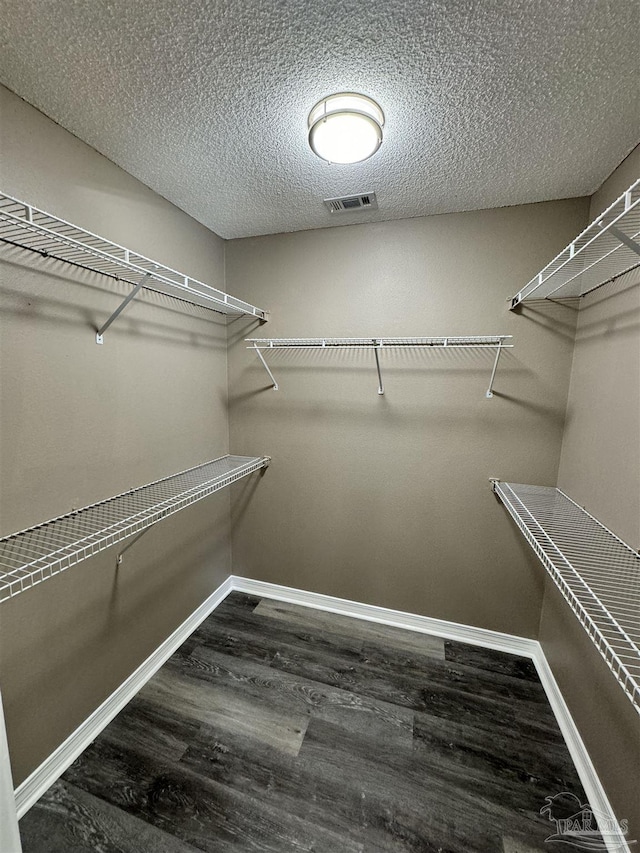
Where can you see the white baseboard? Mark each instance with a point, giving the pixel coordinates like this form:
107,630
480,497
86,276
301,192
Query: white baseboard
34,786
9,834
52,768
398,618
510,643
596,797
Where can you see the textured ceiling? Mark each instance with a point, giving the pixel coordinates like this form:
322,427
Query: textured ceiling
488,103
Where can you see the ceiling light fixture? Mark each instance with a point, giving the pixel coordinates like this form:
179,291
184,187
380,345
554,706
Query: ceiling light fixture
345,128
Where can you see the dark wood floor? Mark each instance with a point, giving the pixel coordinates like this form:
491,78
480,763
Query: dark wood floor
280,728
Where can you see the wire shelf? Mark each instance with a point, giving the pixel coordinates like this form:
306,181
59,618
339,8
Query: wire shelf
596,572
24,225
31,556
496,342
609,247
483,341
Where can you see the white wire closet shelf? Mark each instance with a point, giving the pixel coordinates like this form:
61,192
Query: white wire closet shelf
24,225
596,572
609,247
31,556
377,345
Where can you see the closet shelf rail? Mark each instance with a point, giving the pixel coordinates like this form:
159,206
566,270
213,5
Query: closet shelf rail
609,247
596,572
24,225
497,342
31,556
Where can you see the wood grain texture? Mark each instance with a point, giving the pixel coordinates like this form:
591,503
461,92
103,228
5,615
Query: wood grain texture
398,638
278,728
67,818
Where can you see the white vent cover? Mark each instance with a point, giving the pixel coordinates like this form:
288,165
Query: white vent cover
348,203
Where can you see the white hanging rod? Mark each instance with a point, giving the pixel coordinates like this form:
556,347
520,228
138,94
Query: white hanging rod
496,342
609,247
597,573
24,225
31,556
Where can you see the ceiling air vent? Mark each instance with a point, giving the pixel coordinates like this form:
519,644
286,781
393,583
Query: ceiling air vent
364,201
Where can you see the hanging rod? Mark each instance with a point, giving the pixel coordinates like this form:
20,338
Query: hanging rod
31,556
596,572
609,247
497,342
24,225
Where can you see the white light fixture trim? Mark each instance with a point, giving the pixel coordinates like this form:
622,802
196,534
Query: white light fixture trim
345,128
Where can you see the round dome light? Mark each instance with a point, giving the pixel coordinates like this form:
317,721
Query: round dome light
345,128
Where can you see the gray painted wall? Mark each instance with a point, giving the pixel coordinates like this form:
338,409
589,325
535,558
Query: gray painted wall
386,499
80,423
600,469
379,499
600,463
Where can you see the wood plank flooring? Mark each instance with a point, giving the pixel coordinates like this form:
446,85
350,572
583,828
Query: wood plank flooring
280,728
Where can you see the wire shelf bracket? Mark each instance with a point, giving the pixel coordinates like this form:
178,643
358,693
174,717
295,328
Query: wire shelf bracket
22,224
605,250
597,573
120,308
34,555
497,342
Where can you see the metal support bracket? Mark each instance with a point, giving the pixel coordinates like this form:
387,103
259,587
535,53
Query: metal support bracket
496,342
620,235
489,393
376,347
266,367
121,307
130,543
